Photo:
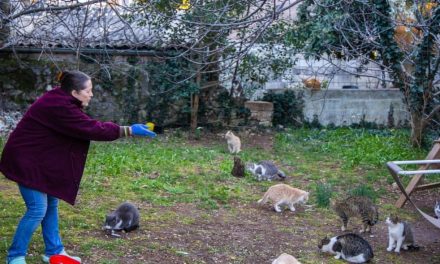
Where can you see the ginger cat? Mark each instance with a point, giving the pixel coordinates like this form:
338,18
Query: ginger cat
286,259
234,142
283,194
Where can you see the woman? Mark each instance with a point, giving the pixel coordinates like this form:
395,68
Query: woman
46,154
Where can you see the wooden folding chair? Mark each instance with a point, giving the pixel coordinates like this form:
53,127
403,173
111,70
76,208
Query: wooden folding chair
429,166
415,183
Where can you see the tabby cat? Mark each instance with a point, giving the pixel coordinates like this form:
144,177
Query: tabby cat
238,169
283,194
357,206
350,247
400,235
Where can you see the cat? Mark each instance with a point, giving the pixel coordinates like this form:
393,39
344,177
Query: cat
283,194
400,235
265,170
125,217
285,259
350,247
437,209
238,169
234,142
312,83
357,206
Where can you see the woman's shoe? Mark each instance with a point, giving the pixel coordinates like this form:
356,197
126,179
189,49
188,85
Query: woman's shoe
17,260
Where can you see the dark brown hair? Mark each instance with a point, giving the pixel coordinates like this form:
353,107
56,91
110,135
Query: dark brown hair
73,80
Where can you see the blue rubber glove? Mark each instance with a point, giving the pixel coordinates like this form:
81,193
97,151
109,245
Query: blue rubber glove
141,130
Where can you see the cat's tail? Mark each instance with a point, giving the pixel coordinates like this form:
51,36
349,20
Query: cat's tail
375,217
281,174
413,247
264,199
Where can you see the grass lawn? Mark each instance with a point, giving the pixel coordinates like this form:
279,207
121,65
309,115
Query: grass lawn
194,211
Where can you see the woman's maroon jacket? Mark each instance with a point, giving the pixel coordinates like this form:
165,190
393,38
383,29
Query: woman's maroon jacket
48,149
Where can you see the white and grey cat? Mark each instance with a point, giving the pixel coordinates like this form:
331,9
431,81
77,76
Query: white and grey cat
125,217
400,235
350,247
283,194
265,170
234,142
437,209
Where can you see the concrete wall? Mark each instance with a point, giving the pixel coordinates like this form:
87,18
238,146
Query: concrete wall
384,107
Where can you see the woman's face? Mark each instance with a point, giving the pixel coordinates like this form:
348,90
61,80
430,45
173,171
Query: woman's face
84,95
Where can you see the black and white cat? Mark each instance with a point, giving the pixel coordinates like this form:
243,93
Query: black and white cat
437,209
265,170
400,235
125,217
350,247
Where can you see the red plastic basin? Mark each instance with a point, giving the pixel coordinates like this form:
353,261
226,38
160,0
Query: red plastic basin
61,259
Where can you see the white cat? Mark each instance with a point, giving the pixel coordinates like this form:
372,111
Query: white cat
234,142
286,259
399,235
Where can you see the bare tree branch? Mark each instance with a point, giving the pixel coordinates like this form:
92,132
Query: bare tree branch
51,9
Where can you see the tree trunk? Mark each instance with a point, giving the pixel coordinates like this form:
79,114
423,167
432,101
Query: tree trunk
5,9
417,129
194,110
195,104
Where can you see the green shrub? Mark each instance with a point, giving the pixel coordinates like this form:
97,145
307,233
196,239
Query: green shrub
363,190
287,108
324,192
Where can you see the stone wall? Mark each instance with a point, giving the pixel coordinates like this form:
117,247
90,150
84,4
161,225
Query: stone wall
383,107
117,95
125,96
260,112
123,92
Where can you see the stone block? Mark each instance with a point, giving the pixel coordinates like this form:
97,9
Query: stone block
259,106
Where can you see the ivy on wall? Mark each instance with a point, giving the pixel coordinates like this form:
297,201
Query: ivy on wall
144,89
287,107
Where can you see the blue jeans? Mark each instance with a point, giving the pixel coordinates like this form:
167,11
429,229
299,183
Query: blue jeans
41,209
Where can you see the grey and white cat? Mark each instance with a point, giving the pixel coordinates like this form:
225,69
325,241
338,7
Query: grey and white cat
125,217
265,170
437,209
400,235
350,247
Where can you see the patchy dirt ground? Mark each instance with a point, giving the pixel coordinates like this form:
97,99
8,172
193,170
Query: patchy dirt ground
249,233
